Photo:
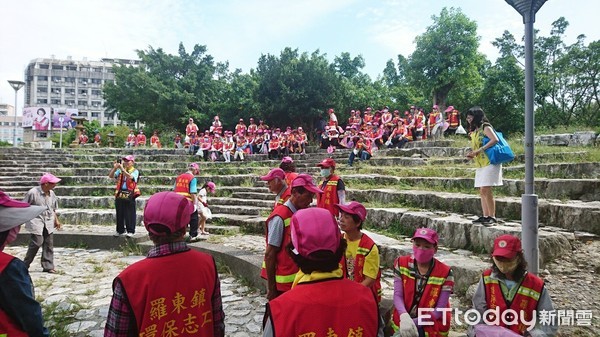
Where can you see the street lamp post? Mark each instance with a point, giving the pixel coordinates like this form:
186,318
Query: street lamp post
16,85
61,119
529,200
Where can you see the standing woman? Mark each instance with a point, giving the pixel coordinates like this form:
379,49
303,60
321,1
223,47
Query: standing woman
204,212
486,175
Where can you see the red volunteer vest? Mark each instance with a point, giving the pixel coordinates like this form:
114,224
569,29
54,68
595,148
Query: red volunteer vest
284,197
329,197
131,185
8,327
430,296
182,185
289,177
364,248
166,295
341,308
273,145
525,300
454,119
286,269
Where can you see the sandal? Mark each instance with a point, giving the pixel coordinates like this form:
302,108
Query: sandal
50,271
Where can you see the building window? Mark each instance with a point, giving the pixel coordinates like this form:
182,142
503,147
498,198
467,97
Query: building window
96,92
44,66
57,67
96,81
83,113
96,104
56,79
69,102
42,135
95,114
83,92
42,78
42,101
84,103
70,79
42,90
97,70
72,68
55,101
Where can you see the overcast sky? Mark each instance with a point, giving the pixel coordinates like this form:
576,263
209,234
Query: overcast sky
239,31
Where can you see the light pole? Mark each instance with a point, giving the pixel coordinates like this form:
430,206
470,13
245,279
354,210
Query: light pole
61,119
529,200
16,85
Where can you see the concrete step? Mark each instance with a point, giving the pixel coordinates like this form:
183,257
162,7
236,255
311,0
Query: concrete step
569,215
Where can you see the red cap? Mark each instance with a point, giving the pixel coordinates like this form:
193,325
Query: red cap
327,162
169,209
506,246
354,207
426,234
314,229
305,181
274,173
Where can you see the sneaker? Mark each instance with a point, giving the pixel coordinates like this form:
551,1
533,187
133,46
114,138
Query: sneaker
195,238
489,220
480,220
117,234
129,235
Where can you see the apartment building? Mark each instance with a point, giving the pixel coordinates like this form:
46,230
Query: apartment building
71,84
7,124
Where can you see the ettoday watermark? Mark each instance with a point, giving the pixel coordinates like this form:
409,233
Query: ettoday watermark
507,317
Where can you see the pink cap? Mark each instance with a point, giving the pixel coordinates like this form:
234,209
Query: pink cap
506,246
211,186
49,178
129,158
305,181
194,166
354,207
327,162
169,209
274,173
435,106
450,108
287,159
314,229
426,234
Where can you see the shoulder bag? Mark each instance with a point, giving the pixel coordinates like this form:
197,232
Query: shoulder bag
501,152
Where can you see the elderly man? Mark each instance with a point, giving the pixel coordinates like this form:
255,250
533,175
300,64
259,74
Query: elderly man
162,293
278,269
277,185
42,227
20,313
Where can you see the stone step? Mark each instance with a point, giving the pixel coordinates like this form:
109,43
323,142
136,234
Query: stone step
458,232
569,215
581,170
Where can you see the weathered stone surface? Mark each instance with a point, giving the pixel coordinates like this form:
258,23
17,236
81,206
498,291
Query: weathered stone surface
580,138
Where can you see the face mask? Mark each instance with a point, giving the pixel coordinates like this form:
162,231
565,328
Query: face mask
325,173
423,255
506,267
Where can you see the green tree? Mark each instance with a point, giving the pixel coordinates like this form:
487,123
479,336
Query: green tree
446,56
165,89
296,89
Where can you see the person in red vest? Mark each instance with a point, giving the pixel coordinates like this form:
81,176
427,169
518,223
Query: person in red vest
422,282
97,139
322,302
453,120
162,292
507,285
361,262
186,184
141,139
83,138
277,185
191,127
278,268
131,139
155,141
126,176
334,190
288,166
20,312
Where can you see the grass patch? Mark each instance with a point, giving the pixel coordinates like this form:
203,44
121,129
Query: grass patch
78,245
131,248
58,316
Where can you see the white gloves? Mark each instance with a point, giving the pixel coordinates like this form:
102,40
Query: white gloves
407,327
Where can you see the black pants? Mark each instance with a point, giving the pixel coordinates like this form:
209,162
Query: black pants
194,224
126,217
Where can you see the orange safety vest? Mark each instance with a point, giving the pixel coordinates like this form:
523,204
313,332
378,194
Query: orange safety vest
166,295
329,197
273,145
286,269
454,119
284,196
433,288
130,184
338,307
8,327
182,185
364,248
525,300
